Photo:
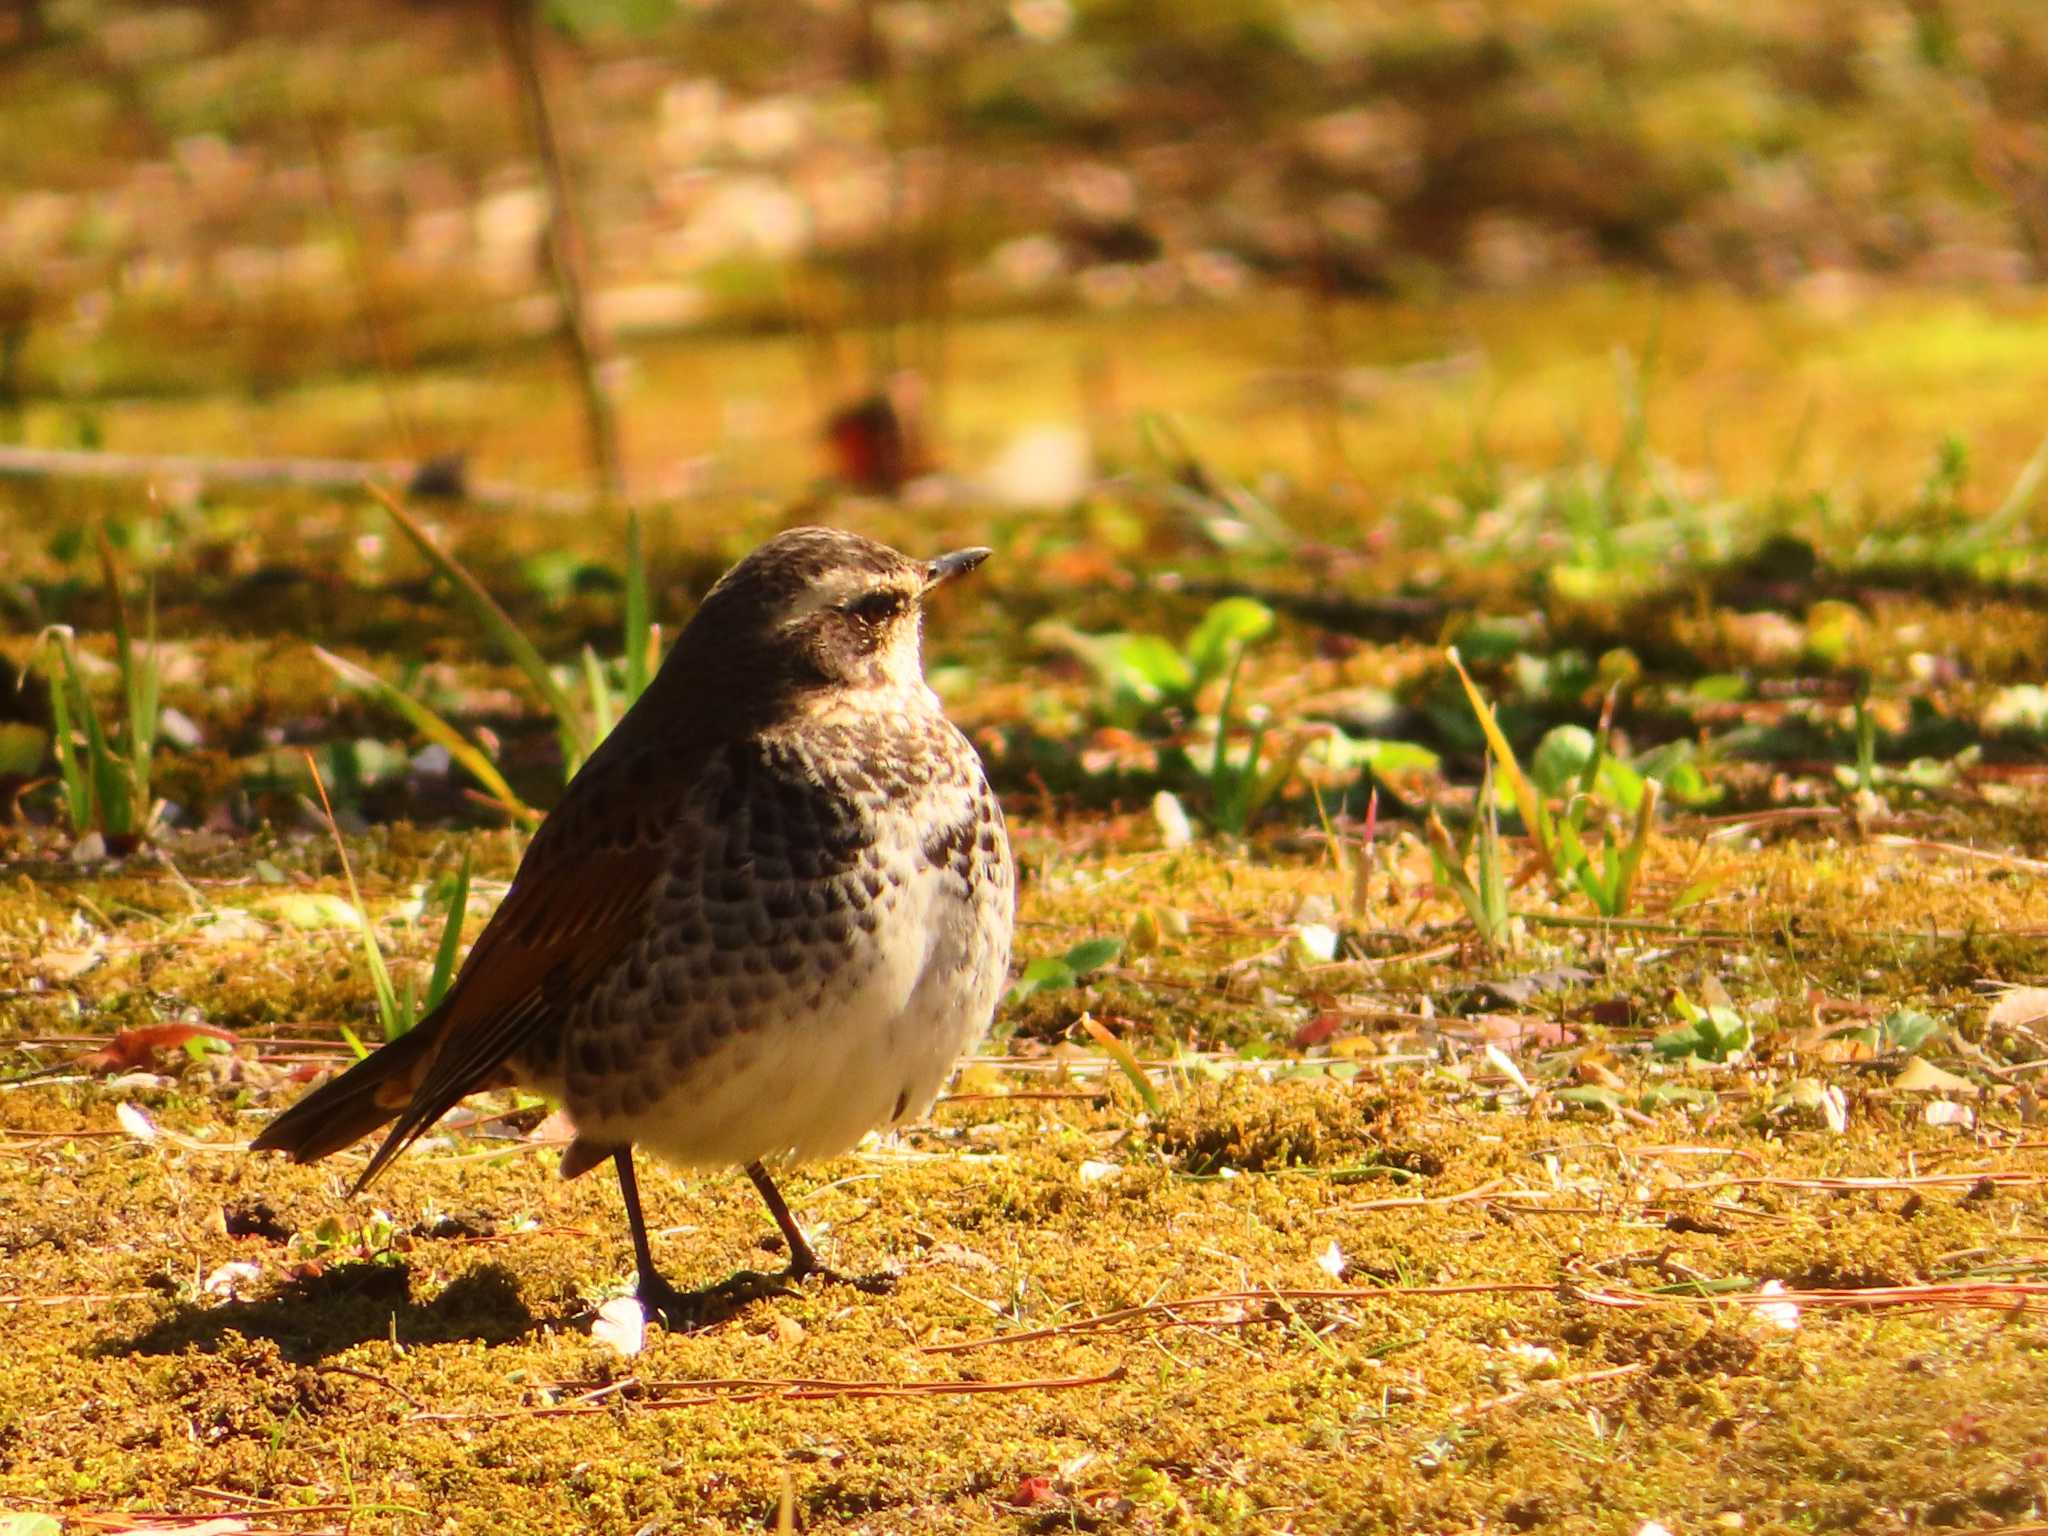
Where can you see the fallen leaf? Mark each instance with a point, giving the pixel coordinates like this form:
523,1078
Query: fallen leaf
1523,1031
1504,1064
1318,1029
131,1049
1032,1492
1921,1076
1589,1068
2020,1005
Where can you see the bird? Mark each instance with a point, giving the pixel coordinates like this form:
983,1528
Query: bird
769,913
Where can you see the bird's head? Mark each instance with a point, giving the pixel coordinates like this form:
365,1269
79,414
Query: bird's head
821,608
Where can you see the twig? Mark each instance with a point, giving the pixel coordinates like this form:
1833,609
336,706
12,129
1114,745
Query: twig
744,1390
1990,1295
86,1298
313,474
1963,1179
582,338
1239,1298
2022,1296
1963,851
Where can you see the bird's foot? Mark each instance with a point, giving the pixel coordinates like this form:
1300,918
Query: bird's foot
689,1311
881,1283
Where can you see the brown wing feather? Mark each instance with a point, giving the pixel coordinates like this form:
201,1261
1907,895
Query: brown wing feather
578,901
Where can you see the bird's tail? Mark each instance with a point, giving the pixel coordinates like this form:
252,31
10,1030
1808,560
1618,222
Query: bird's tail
347,1108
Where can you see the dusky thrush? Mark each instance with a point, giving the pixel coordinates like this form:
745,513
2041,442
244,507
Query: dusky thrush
768,914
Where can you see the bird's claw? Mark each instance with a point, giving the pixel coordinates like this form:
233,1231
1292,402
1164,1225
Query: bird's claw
689,1311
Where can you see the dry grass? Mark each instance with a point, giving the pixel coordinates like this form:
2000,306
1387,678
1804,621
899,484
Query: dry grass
1421,1237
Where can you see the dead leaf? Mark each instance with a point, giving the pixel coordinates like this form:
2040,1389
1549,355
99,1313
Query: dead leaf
1922,1076
132,1049
1318,1029
1032,1492
2019,1006
1590,1069
1522,1031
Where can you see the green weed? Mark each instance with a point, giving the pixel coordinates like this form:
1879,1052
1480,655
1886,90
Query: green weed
106,777
1578,764
1484,892
578,727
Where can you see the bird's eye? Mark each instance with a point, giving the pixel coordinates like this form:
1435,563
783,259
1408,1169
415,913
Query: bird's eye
875,607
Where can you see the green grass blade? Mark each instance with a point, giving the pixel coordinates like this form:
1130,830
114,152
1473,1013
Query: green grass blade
451,937
1632,855
2025,487
110,797
395,1023
603,711
1217,762
1493,871
143,687
1534,817
1126,1063
639,628
435,729
498,626
1448,867
64,684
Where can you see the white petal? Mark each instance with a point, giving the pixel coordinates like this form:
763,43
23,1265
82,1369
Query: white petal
621,1323
1779,1314
1318,941
1175,831
229,1279
1332,1261
136,1122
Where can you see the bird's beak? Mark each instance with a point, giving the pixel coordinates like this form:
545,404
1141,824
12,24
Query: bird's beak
946,567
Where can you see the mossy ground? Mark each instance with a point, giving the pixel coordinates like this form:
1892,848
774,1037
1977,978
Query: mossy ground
1446,1115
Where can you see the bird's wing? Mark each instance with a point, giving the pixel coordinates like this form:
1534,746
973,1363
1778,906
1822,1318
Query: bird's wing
579,899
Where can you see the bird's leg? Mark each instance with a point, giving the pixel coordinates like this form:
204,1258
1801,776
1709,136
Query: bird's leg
803,1259
656,1296
683,1310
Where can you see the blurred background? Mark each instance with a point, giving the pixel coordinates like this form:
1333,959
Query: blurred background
706,250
